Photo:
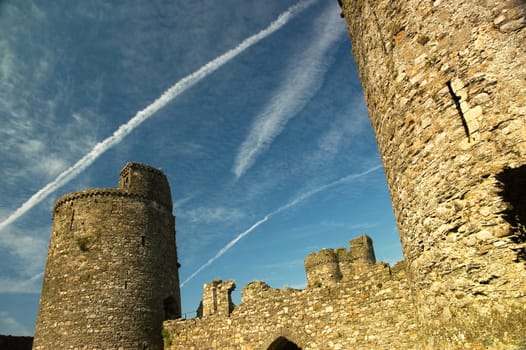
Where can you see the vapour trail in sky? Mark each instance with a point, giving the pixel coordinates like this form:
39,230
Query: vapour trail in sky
223,250
298,87
305,195
142,115
295,201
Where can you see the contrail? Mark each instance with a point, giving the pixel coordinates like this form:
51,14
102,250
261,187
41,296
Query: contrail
308,194
142,115
224,250
295,201
302,82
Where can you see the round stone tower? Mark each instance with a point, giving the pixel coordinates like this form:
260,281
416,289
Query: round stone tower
112,273
322,268
445,86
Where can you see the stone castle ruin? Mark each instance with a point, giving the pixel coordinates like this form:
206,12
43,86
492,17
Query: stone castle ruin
111,275
445,86
351,302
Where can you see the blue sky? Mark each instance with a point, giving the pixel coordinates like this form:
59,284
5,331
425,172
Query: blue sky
253,109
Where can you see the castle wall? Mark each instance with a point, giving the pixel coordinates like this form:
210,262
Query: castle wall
217,298
111,276
328,267
371,311
322,268
445,85
361,250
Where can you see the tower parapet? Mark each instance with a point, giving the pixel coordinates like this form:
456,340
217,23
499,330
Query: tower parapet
112,264
345,262
147,181
328,266
362,250
322,268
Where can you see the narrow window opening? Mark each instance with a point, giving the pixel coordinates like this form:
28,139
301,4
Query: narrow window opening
72,219
456,100
125,284
379,28
143,241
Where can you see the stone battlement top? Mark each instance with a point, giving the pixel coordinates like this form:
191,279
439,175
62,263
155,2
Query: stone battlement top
141,166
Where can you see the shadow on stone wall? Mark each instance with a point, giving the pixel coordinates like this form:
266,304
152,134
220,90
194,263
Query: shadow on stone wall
283,344
513,182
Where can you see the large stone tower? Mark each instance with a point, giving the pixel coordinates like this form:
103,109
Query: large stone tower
445,85
112,273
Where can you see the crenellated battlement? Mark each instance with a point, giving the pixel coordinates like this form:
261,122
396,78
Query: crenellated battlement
146,181
124,240
370,308
137,181
96,192
330,266
324,256
140,166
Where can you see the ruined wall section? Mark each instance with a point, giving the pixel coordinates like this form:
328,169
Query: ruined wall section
371,311
217,299
111,276
445,85
328,267
322,268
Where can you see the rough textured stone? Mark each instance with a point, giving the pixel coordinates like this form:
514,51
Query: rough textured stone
445,85
368,306
217,298
111,276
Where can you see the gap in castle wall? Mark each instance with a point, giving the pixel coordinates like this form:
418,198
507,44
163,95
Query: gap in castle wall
513,191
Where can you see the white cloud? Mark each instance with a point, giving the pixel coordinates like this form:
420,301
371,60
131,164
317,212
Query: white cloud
10,326
297,200
212,215
175,90
24,257
50,165
309,193
223,250
32,284
345,226
343,132
298,87
33,101
27,256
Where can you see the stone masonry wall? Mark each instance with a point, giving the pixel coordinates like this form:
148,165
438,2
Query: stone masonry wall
111,276
445,85
372,309
217,298
330,266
